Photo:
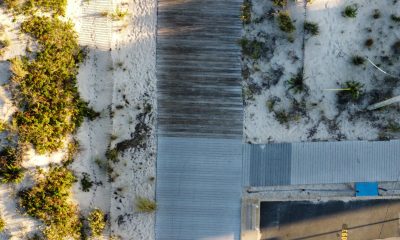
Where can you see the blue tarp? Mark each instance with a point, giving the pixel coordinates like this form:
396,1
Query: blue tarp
366,189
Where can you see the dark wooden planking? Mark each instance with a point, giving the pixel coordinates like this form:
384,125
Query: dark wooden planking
199,69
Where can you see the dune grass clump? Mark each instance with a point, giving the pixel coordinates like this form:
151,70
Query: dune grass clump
350,11
49,201
45,87
285,22
280,3
376,14
251,48
357,60
11,170
395,18
117,15
5,43
369,42
350,91
311,28
97,222
296,83
145,205
246,12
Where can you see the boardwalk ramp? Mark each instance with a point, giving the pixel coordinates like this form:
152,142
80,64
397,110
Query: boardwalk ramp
200,120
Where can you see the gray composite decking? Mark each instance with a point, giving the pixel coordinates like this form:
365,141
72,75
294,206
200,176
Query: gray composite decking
321,163
200,120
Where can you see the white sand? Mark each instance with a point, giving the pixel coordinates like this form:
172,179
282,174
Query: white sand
117,79
327,62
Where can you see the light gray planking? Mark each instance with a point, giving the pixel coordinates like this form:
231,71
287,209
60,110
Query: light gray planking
321,163
198,188
267,165
342,162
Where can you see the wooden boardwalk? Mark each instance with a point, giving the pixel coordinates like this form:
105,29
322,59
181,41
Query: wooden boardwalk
199,69
200,120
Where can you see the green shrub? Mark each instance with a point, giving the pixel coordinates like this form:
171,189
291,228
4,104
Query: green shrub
86,182
145,205
395,18
296,83
357,60
112,154
285,22
11,170
54,6
97,222
2,224
252,48
246,12
49,201
311,28
280,3
5,43
350,11
50,106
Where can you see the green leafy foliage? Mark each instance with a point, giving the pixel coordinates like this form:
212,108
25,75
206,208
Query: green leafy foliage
252,48
311,28
2,224
97,222
280,3
285,22
54,6
246,12
145,205
11,170
350,11
50,106
48,200
86,182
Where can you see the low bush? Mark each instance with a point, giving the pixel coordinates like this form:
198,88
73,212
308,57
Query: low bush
285,22
252,48
49,201
11,170
145,205
97,222
246,12
5,43
45,87
311,28
280,3
86,182
2,224
350,11
54,6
